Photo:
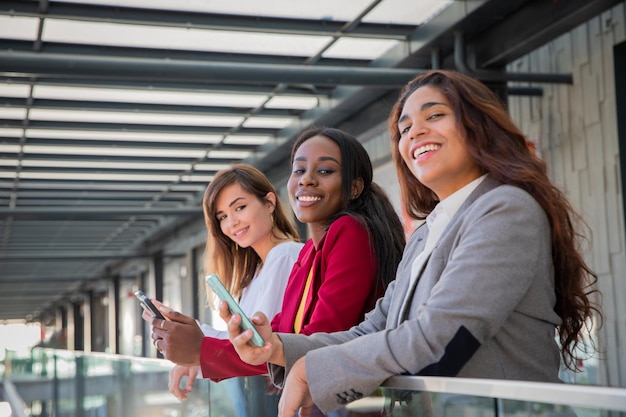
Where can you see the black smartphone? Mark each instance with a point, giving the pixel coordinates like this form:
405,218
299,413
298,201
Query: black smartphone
148,305
216,285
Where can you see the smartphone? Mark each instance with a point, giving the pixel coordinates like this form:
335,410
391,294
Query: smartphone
216,285
148,305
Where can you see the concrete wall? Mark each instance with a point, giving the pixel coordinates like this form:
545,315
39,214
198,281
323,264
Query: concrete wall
575,130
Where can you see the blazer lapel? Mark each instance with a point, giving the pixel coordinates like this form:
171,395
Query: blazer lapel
400,311
413,248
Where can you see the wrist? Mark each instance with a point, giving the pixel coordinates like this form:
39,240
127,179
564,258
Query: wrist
277,356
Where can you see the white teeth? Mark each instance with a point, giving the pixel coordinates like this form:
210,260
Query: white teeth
308,198
425,148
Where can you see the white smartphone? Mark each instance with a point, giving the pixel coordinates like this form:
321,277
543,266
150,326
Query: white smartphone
148,305
216,285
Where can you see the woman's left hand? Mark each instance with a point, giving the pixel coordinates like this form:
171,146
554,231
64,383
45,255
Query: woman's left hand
296,394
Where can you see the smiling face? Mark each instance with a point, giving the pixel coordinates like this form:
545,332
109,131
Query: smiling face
432,146
315,184
244,218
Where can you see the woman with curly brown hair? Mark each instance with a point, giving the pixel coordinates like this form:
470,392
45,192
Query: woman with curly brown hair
485,283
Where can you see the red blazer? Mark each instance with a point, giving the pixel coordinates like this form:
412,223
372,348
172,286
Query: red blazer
343,289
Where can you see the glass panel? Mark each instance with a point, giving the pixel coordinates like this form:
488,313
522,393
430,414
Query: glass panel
299,9
58,382
114,34
354,48
406,12
388,11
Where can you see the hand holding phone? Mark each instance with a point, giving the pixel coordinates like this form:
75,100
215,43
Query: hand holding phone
216,285
148,305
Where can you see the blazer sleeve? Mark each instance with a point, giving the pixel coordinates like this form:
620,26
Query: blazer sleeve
219,360
297,345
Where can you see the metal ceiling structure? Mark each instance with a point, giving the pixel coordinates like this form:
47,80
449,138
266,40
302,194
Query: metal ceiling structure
114,116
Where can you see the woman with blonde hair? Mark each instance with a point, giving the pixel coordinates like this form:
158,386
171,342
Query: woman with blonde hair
251,244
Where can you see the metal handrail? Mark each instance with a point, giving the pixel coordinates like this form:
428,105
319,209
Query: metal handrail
568,394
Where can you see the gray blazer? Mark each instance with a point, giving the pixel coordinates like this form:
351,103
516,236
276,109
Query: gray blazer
483,307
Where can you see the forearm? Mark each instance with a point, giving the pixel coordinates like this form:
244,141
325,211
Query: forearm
219,360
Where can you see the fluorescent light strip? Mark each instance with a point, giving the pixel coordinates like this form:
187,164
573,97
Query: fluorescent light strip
11,133
122,136
292,102
4,148
15,113
98,176
30,163
132,118
19,28
85,176
228,154
128,95
14,90
55,163
247,140
111,151
268,122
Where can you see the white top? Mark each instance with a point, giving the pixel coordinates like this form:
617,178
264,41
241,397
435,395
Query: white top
265,292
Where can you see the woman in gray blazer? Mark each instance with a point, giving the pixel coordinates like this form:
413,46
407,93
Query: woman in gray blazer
485,283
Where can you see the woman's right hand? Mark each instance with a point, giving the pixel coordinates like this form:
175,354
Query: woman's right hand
176,375
179,338
249,353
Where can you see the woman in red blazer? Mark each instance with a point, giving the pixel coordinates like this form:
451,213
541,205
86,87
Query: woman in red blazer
356,242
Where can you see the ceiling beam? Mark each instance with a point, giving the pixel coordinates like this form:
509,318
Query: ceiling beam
19,63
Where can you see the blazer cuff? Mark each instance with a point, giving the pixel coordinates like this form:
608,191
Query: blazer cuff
277,374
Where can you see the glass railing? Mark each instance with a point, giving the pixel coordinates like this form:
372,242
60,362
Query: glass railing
59,383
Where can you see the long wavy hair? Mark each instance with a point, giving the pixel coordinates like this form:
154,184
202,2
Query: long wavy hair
371,208
236,265
500,149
